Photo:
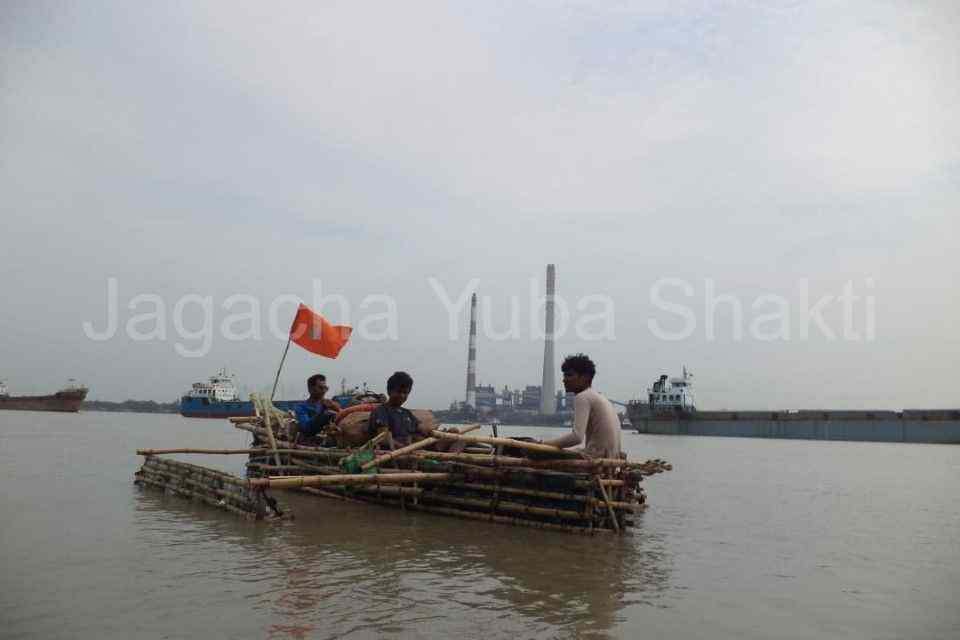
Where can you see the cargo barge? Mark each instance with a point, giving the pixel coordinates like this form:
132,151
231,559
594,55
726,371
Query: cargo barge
670,409
66,400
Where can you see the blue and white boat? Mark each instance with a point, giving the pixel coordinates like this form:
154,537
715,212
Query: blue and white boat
218,398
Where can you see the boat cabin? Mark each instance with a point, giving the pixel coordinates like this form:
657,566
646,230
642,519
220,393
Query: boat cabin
672,394
220,388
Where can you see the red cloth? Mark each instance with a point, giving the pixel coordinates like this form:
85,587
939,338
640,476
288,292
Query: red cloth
312,332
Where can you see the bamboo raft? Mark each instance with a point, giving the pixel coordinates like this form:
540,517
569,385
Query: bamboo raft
486,478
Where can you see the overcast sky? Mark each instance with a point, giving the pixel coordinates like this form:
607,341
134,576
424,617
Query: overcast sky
222,148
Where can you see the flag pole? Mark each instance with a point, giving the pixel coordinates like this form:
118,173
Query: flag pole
280,368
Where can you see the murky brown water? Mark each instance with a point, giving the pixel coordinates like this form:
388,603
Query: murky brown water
744,539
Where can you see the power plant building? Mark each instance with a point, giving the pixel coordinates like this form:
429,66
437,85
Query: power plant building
486,399
531,398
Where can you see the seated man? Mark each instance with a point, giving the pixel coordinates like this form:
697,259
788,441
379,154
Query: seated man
316,412
392,416
595,423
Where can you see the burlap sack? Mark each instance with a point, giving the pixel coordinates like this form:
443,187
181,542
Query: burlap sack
427,421
352,430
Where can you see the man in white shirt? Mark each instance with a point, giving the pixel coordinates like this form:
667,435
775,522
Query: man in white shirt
595,422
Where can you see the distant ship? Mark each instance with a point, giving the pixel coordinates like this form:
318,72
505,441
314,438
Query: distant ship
68,399
218,398
670,409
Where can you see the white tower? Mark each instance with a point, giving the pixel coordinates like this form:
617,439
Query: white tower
472,355
548,389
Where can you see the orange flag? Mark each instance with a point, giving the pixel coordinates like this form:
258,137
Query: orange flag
312,332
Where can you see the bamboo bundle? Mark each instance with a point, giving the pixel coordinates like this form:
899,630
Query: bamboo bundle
565,508
532,485
215,488
550,495
510,461
500,505
511,474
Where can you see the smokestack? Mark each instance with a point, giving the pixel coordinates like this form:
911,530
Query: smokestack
472,355
548,403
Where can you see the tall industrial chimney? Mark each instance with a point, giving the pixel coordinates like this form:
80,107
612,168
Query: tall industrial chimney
548,404
472,355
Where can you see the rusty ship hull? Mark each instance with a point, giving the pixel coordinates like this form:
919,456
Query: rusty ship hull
67,401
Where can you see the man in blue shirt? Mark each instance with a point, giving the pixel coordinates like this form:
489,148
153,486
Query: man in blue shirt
316,412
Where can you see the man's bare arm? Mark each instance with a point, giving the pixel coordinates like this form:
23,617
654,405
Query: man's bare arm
581,412
569,439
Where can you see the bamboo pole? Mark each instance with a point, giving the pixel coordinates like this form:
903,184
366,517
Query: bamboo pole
373,442
155,452
279,469
486,470
611,483
536,493
348,479
613,514
390,490
305,467
282,360
329,494
402,451
466,430
507,442
310,452
513,507
308,468
507,461
266,418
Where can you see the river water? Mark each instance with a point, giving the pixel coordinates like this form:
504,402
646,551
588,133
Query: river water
743,539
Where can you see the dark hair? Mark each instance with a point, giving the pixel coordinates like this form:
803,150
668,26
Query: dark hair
579,363
399,380
312,380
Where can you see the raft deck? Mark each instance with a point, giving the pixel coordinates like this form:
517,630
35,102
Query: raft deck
493,479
